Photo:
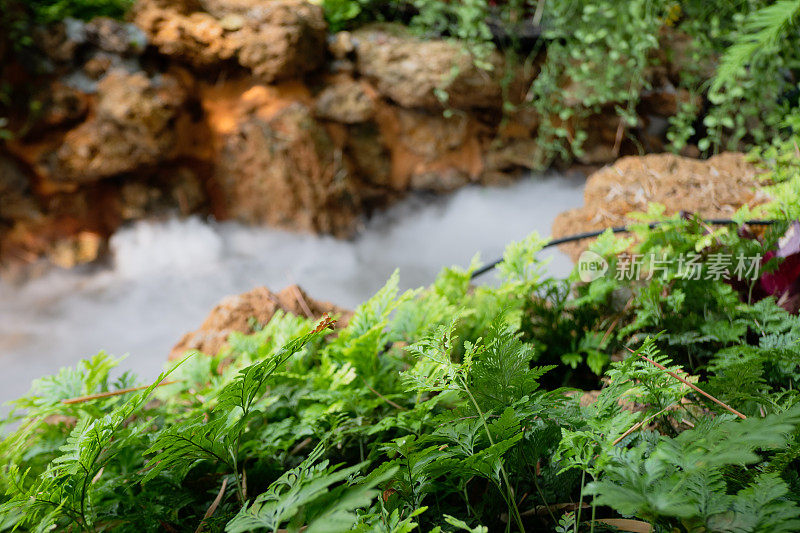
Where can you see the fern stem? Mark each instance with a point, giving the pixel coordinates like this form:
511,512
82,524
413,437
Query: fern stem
511,501
594,513
411,482
239,490
580,501
637,425
100,395
466,498
547,505
538,488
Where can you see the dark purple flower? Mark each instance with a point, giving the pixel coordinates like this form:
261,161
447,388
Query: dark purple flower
784,282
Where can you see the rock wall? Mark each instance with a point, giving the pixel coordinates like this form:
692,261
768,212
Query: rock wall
250,110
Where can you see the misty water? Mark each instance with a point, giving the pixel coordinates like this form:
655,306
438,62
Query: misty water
166,275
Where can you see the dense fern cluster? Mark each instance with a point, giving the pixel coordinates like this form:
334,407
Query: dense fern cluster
441,409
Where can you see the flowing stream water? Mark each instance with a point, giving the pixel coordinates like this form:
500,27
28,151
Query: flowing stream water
165,276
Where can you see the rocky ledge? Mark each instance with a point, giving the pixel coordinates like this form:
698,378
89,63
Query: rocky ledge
714,188
251,110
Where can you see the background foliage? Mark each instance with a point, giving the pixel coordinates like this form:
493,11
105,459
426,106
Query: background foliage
601,56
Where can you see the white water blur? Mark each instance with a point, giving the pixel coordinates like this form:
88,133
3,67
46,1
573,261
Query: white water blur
167,275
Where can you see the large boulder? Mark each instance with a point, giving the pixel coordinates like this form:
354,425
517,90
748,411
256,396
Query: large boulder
240,312
63,107
274,40
713,188
506,156
514,147
429,74
370,156
285,171
425,151
441,154
132,127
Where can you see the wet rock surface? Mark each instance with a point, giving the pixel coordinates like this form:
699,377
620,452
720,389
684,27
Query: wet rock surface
16,202
348,102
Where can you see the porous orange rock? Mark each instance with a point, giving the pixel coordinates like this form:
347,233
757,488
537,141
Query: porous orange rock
421,73
238,313
132,127
284,171
713,188
274,40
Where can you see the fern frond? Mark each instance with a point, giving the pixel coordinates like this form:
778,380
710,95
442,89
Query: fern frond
304,495
502,373
367,332
434,369
240,393
762,32
182,445
179,448
646,484
519,263
65,487
374,310
766,506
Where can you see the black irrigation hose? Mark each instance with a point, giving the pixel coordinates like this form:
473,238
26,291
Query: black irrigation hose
625,229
